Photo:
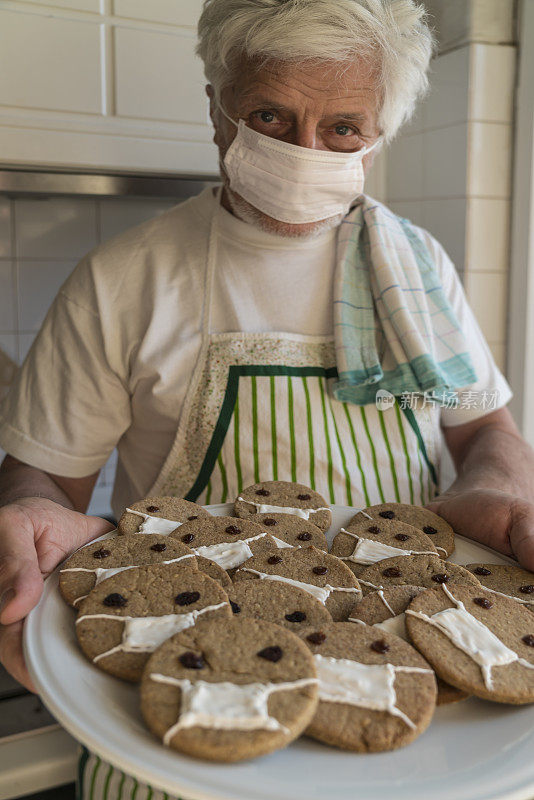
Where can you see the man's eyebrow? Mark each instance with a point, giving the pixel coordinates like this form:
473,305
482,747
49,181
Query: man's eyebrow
352,115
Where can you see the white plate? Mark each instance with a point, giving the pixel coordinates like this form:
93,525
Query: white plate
473,750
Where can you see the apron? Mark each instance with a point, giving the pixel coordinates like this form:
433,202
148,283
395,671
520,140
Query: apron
259,408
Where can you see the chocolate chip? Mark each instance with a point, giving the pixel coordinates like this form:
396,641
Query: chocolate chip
296,616
482,571
318,637
386,514
320,570
483,602
429,530
188,537
373,529
186,598
102,553
528,639
192,518
273,654
235,608
379,646
152,509
392,572
440,577
159,547
274,560
233,529
262,492
304,497
402,537
115,600
304,537
191,660
527,589
269,521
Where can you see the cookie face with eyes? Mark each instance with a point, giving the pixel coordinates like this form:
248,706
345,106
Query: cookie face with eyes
229,541
292,530
508,580
439,531
284,497
419,570
476,640
366,542
157,515
277,602
320,574
376,692
126,617
229,690
90,565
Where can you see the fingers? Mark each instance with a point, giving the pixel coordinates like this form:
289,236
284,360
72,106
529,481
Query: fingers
21,582
521,534
11,655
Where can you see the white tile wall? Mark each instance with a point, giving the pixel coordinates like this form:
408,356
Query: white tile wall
40,243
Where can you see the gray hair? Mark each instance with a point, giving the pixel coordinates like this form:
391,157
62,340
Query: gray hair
393,32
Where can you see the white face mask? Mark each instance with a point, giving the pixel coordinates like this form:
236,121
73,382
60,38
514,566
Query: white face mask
291,183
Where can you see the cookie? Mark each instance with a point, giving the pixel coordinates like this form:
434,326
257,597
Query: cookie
476,640
440,532
159,515
229,541
366,541
292,530
126,617
427,571
376,692
320,574
214,571
95,562
229,690
508,580
384,610
286,605
283,497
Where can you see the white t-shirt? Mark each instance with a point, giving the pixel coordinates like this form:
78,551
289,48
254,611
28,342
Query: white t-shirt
112,362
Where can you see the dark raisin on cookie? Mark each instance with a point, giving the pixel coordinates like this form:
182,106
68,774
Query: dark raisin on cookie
320,570
273,653
233,529
115,600
527,589
186,598
152,509
274,560
192,517
102,553
263,492
391,572
159,547
482,571
188,537
402,537
296,616
528,640
304,537
269,521
191,660
379,646
317,637
386,514
440,577
304,497
373,529
483,602
236,609
429,530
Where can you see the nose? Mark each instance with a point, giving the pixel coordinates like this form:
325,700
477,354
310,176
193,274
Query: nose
304,134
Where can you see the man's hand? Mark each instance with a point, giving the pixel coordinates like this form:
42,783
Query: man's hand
35,536
497,519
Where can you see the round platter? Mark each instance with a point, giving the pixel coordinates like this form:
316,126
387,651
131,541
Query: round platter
473,750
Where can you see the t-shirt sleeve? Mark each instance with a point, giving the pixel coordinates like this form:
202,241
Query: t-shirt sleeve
67,407
491,390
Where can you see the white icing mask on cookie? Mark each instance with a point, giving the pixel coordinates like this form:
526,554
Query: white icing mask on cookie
101,573
322,593
510,597
303,513
365,685
228,554
145,634
155,524
472,637
280,544
369,551
396,625
225,705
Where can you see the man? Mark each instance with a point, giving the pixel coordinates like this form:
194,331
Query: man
208,345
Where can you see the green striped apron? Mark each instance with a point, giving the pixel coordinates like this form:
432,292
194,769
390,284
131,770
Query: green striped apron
259,408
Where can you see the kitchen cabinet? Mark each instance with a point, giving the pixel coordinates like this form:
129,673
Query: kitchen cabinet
104,85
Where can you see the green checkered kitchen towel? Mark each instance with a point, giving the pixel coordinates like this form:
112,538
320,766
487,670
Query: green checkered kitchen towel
394,327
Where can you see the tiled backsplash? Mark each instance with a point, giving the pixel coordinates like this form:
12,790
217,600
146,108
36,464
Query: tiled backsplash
40,243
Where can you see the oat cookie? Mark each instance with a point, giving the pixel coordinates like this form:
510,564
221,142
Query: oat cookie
286,605
427,571
158,515
283,497
95,562
292,530
126,617
384,610
476,640
376,692
508,580
440,532
323,575
366,541
229,541
228,690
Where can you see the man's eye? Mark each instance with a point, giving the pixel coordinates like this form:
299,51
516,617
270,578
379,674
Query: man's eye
343,130
266,116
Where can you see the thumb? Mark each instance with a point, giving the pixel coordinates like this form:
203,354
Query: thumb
21,582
